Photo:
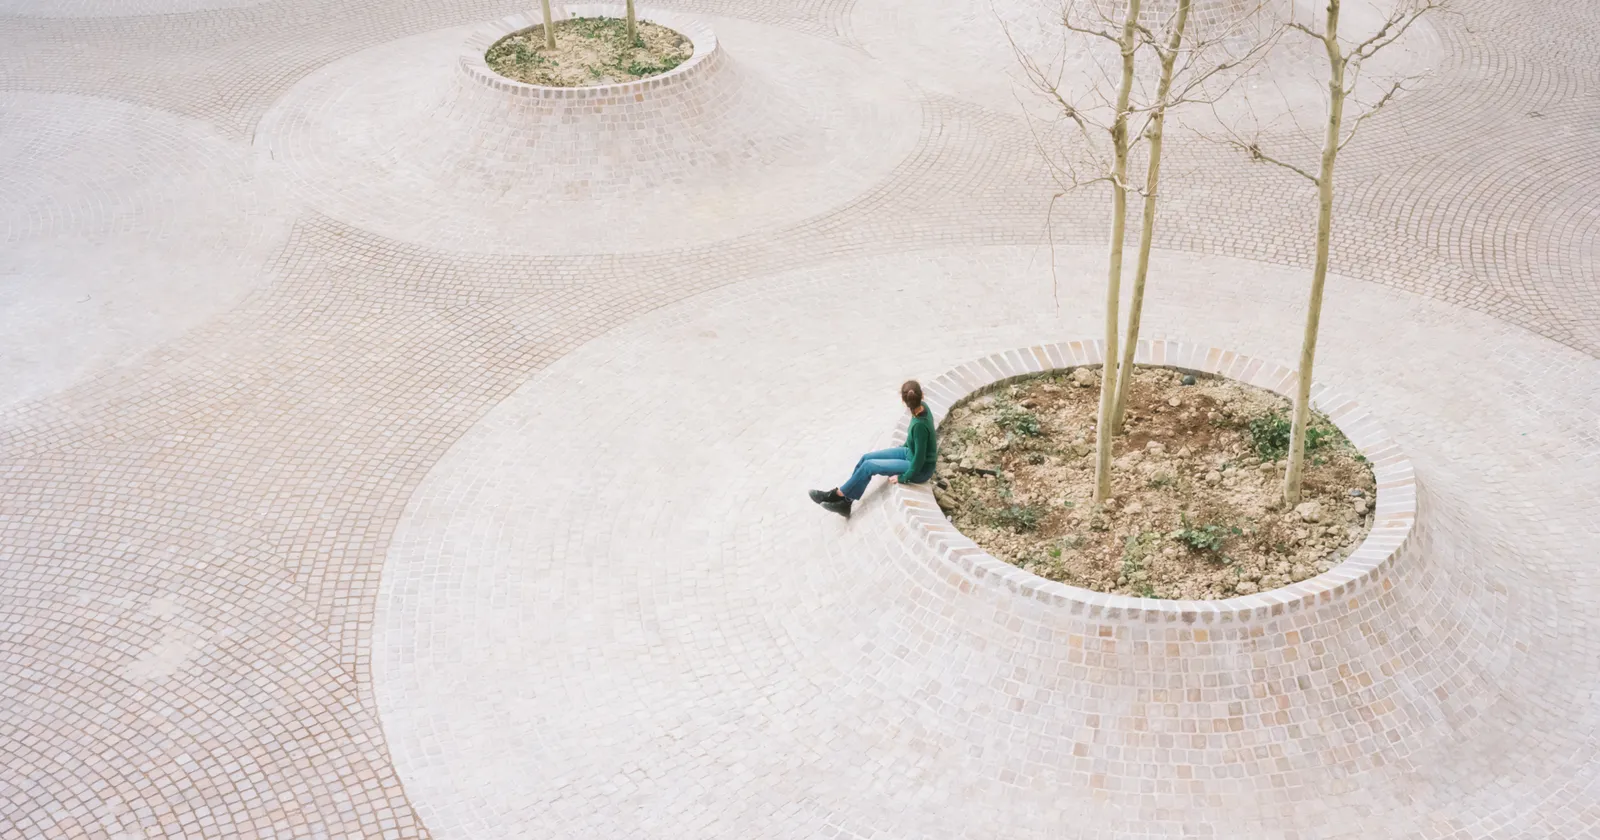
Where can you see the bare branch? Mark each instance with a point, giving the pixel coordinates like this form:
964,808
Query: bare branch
1066,21
1050,236
1391,31
1042,83
1146,37
1252,147
1376,107
1306,29
1252,57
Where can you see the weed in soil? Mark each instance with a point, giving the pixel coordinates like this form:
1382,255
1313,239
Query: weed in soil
1205,538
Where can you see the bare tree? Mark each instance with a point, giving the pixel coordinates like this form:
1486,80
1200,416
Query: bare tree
1127,45
1178,85
1152,178
549,26
1344,70
633,26
1104,121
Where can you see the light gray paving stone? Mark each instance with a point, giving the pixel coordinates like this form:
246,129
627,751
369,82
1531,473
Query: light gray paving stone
197,502
115,8
418,140
121,227
964,711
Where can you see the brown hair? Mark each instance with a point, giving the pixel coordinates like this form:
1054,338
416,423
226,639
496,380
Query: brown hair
911,394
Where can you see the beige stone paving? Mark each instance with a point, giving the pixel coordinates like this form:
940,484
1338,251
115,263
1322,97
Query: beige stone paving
400,140
199,490
121,227
728,617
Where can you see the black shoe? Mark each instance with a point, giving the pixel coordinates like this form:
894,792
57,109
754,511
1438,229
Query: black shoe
825,496
841,507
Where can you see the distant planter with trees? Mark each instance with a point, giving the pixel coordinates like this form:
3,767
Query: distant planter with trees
586,51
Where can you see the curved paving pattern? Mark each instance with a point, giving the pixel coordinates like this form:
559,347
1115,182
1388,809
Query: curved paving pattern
110,212
409,141
605,609
659,626
114,8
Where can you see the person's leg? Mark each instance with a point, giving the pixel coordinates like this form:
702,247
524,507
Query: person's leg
889,454
897,454
868,468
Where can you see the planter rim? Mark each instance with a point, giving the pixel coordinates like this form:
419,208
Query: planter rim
473,63
930,535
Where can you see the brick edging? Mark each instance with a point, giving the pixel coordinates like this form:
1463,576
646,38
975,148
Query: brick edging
929,532
706,58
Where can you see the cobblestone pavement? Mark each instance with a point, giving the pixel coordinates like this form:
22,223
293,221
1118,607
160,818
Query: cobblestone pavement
325,510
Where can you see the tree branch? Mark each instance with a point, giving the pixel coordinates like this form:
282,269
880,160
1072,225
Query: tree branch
1253,149
1066,21
1383,37
1378,106
1306,29
1041,82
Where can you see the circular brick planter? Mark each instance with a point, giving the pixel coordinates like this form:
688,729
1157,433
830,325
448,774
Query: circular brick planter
601,141
705,61
929,534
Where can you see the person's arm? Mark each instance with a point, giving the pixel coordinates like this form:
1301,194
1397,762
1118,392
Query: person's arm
920,446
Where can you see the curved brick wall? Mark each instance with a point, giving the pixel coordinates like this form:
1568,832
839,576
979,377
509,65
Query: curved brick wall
1394,513
591,142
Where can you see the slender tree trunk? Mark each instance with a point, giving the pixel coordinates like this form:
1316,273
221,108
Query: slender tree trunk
1152,178
633,25
549,26
1308,346
1119,223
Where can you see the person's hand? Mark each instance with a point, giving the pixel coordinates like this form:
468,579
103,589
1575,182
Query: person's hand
894,479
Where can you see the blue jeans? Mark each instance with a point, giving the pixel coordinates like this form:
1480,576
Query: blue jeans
883,462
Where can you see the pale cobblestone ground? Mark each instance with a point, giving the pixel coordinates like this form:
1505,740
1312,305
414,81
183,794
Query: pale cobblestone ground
321,524
796,645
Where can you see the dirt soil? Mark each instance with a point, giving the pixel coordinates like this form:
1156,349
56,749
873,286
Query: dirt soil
1196,509
589,51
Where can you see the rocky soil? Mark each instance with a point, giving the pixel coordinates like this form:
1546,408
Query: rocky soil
1196,510
589,51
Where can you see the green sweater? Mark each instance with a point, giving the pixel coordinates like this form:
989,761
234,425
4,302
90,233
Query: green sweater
924,445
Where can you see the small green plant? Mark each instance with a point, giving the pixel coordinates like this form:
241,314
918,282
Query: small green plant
1205,538
1270,435
1136,549
1020,518
1162,480
592,27
1002,488
641,68
1069,541
1017,421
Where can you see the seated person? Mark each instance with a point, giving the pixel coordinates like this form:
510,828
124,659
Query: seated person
912,463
